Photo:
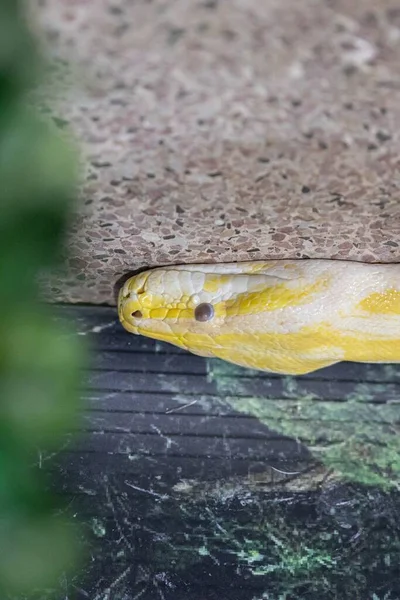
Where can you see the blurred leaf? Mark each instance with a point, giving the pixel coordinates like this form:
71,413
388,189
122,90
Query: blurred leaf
34,552
20,486
19,60
40,363
38,171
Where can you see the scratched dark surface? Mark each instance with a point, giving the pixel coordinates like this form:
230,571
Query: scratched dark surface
196,480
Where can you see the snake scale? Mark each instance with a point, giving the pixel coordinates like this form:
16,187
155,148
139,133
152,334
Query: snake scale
283,316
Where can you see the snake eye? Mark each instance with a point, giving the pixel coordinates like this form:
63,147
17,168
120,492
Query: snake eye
204,312
137,314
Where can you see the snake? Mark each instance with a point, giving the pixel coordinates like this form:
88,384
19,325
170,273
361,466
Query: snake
291,317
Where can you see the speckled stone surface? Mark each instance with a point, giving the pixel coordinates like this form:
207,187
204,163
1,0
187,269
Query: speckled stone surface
220,131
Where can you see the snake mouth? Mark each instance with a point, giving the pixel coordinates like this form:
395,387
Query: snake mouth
123,299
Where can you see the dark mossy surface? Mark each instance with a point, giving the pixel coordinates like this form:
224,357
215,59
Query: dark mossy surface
234,540
199,480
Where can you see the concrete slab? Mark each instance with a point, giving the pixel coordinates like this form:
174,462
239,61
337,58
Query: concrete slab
220,131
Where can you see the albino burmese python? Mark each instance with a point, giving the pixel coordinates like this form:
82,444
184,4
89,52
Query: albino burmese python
284,316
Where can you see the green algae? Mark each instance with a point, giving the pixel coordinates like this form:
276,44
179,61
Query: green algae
98,527
354,435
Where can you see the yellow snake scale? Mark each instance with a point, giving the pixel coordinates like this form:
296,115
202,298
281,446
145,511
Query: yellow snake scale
282,316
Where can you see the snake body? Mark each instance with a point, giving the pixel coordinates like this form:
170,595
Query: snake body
283,316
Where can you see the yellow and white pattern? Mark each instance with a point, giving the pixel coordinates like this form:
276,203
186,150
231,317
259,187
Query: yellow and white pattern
282,316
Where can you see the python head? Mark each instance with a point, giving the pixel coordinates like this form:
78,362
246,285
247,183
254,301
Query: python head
237,312
184,306
201,308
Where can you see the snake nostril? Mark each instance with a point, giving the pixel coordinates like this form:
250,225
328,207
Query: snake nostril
137,314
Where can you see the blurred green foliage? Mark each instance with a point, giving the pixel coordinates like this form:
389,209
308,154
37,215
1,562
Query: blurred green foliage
39,363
